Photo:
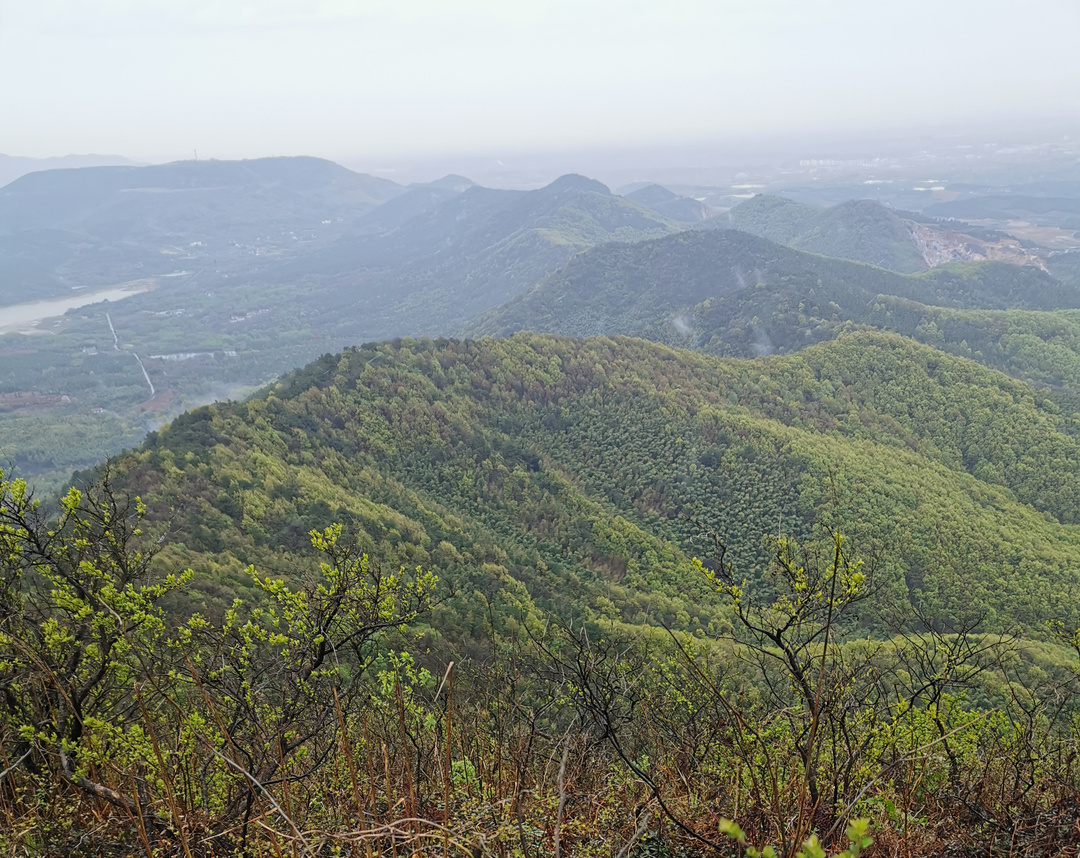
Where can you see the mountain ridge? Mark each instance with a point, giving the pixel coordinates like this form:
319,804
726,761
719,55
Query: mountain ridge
712,276
867,231
567,471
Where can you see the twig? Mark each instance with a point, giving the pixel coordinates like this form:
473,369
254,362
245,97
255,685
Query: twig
15,765
642,826
255,782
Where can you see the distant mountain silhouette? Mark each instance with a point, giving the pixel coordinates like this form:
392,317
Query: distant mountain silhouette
670,204
112,223
12,167
862,230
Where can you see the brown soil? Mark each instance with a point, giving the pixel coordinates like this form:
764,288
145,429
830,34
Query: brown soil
164,401
31,399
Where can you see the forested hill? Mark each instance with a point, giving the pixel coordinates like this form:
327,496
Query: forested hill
468,253
74,228
670,204
867,231
252,269
860,230
542,473
778,219
729,292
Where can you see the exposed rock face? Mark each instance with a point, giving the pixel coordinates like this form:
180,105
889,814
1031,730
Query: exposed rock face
940,246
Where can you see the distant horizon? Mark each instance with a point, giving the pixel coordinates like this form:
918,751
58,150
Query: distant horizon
525,166
376,80
774,142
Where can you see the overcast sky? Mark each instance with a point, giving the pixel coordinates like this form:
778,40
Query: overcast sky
156,79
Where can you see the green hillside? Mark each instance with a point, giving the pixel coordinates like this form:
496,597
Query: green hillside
1065,266
1040,347
298,262
464,256
859,230
521,517
778,219
731,293
865,231
561,474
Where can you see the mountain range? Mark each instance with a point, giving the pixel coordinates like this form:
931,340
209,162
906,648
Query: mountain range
664,492
728,292
468,253
252,269
257,267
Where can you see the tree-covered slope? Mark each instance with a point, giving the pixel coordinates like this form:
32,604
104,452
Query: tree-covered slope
467,254
864,231
1065,266
275,286
729,292
70,229
1042,347
860,230
1037,346
540,471
778,219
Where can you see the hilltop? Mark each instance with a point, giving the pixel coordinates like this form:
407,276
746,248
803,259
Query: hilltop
731,293
75,228
669,204
230,313
563,475
866,231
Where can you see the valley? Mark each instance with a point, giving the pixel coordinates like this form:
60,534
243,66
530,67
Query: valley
26,318
539,430
309,258
652,483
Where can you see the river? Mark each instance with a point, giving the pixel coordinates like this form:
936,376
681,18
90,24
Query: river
22,318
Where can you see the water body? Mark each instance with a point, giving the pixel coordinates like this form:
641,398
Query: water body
22,318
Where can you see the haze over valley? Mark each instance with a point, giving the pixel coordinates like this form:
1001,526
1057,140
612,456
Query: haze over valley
576,430
238,271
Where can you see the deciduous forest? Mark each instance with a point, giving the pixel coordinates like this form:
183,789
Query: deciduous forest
543,596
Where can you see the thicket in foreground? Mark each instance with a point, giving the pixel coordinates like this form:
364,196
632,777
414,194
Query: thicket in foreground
300,724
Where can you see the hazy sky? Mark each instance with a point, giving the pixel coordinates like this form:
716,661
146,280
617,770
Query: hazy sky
155,79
